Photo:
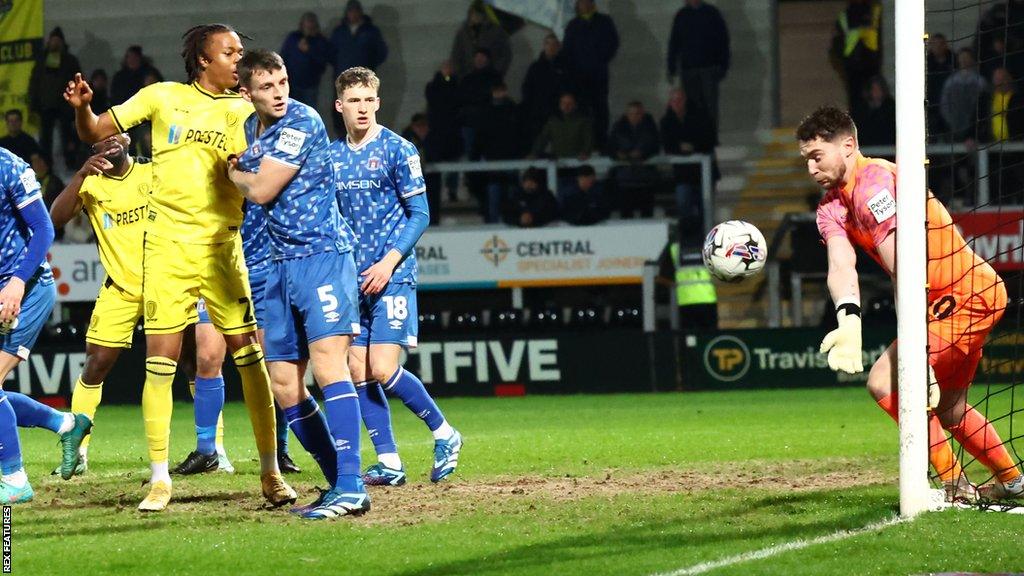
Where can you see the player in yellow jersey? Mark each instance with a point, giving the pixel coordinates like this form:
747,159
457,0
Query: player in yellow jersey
191,247
113,189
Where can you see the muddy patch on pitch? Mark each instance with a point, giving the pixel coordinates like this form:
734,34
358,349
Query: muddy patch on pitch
418,503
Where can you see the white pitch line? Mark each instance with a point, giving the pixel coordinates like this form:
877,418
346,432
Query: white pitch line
779,549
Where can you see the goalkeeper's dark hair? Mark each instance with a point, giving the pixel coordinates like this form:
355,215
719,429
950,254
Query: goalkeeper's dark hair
258,60
194,45
827,123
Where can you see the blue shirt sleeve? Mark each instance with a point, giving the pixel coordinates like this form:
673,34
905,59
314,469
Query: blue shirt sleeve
290,142
38,220
406,171
418,212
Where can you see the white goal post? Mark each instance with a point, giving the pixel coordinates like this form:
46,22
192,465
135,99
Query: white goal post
912,256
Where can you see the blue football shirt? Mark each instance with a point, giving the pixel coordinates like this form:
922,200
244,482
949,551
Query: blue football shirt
304,219
20,188
373,182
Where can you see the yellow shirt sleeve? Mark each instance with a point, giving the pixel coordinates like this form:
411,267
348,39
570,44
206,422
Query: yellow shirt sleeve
137,109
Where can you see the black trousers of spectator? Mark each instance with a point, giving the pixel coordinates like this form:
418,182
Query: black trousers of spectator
433,181
634,199
593,97
703,317
64,121
701,86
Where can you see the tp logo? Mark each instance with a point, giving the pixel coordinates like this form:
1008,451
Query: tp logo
727,358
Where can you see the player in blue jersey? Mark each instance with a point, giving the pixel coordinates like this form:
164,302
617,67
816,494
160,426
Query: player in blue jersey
381,190
27,294
207,382
311,298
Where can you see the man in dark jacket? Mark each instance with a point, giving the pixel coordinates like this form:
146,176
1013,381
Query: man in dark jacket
569,133
475,93
531,205
305,53
583,201
686,131
17,141
698,51
444,137
634,139
418,132
939,65
546,79
355,42
131,77
479,31
54,69
876,116
591,42
497,138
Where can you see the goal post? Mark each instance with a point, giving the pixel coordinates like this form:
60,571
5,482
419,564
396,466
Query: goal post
912,256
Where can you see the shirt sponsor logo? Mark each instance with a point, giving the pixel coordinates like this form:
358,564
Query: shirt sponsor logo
415,170
290,141
882,206
123,218
359,185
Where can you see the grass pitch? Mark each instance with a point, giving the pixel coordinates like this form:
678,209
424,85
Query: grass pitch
616,484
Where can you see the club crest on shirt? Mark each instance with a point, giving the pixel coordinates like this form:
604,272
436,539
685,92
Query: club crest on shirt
373,163
256,149
231,118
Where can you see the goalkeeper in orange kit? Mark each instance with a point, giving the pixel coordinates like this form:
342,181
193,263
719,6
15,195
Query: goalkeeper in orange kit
966,298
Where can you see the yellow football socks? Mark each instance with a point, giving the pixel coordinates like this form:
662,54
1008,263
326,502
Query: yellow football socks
157,404
84,400
259,400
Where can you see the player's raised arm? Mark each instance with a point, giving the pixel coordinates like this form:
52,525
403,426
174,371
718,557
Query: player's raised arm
68,203
91,128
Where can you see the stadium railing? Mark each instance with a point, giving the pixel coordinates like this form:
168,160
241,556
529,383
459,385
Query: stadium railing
600,163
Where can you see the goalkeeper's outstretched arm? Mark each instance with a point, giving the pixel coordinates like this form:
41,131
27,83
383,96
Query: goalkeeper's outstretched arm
843,344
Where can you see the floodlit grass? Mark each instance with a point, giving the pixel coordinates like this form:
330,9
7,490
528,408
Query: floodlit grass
616,484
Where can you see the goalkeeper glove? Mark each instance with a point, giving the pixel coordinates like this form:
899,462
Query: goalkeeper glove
843,344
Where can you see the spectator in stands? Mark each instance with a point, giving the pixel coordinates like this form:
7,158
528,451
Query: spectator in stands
55,67
876,115
50,184
584,201
306,52
1006,122
568,134
531,205
475,94
546,79
698,51
856,50
634,139
17,141
357,41
418,132
591,42
962,93
480,30
132,75
444,138
100,90
497,138
686,131
939,66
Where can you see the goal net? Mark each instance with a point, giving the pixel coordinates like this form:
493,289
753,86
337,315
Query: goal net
974,85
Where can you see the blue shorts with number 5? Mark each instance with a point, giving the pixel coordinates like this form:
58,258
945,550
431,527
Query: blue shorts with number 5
389,317
307,299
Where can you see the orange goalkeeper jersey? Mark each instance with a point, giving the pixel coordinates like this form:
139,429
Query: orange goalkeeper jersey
965,295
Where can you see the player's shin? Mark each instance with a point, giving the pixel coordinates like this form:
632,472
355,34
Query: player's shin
209,401
342,406
260,403
373,405
34,414
940,452
85,399
157,405
10,445
308,423
975,433
410,390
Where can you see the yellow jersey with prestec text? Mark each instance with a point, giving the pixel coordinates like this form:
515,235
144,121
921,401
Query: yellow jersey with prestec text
194,131
117,209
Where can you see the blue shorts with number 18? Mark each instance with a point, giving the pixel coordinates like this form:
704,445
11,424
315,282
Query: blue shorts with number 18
307,299
389,317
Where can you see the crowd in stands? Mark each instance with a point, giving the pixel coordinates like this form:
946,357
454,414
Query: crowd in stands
470,112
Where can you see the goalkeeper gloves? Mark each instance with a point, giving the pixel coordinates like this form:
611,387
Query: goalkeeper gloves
843,344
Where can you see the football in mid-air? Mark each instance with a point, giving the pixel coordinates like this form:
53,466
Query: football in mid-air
734,250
